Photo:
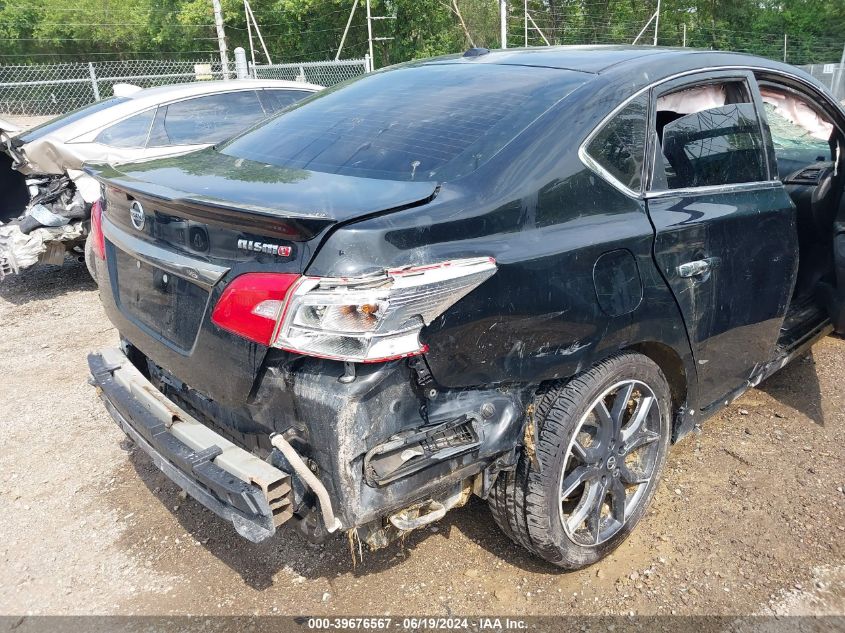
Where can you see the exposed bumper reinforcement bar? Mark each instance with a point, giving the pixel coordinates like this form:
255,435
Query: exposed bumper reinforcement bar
229,481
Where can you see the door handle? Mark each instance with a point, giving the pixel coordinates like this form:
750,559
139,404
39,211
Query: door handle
698,267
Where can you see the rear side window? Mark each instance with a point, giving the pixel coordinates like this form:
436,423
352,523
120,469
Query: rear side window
131,132
427,122
709,135
208,119
619,147
275,100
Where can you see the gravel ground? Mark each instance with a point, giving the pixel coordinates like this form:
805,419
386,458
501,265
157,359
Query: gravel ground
749,517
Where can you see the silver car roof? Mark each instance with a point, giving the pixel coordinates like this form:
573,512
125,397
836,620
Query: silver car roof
151,97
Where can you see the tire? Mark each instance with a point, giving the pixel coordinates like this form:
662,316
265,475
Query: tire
605,434
90,263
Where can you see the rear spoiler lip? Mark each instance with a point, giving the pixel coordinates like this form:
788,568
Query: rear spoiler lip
293,226
277,222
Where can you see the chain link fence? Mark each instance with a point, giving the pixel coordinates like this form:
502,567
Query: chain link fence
51,89
831,75
321,73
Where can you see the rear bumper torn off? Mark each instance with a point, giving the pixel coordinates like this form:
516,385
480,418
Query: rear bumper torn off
231,482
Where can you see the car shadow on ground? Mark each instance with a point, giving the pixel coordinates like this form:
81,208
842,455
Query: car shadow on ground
258,563
44,283
797,386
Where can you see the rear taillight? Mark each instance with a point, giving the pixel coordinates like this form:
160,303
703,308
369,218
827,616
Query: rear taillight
98,239
251,305
363,319
377,318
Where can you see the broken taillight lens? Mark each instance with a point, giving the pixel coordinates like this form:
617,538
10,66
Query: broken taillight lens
252,304
376,318
363,319
99,240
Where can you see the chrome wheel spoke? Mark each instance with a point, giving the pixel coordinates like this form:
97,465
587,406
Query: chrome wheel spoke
578,476
643,438
604,417
577,518
593,520
620,405
631,477
586,455
638,418
618,497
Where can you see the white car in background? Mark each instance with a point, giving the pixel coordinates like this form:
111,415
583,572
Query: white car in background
46,198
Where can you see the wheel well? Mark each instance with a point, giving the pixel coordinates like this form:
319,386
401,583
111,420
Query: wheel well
665,357
672,367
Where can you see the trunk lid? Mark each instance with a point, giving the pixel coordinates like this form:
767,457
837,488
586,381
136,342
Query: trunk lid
294,204
179,229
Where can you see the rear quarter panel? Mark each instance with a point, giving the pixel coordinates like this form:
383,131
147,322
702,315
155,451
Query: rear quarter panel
547,220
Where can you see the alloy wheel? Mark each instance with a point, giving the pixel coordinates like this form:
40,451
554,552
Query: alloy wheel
609,462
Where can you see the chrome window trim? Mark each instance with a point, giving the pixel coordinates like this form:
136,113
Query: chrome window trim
605,175
594,165
591,163
703,190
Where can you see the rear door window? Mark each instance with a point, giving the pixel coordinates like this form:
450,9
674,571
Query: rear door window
205,120
131,132
275,100
619,147
708,135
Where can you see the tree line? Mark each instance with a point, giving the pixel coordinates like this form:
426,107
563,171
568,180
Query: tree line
802,31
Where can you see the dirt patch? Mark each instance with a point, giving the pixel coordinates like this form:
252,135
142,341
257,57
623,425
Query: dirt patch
749,518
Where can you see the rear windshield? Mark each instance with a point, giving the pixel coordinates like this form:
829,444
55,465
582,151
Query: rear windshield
432,122
54,124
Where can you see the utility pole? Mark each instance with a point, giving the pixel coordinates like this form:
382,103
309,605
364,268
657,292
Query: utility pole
249,35
526,22
370,32
503,10
221,37
370,18
685,34
784,48
656,22
836,89
346,30
251,15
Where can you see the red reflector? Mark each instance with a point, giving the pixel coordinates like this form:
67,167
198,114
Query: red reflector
252,304
99,240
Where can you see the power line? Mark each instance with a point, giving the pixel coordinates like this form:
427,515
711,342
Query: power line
19,55
77,39
177,25
356,26
89,11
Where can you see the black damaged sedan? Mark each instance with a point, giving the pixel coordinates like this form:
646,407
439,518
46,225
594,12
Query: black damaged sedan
516,274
